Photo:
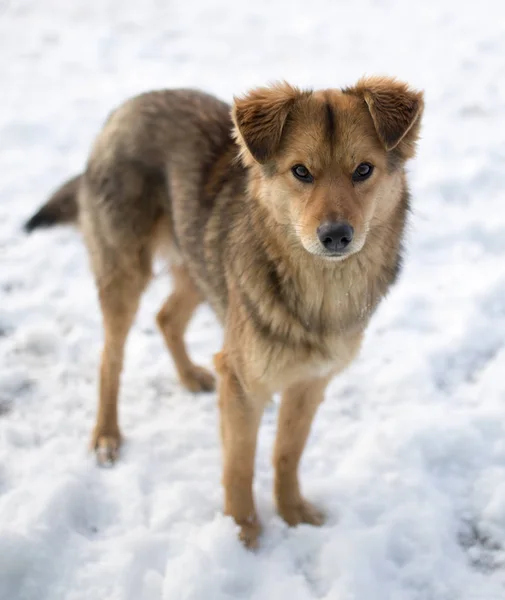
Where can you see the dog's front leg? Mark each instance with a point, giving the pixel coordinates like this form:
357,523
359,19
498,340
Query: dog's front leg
298,407
240,418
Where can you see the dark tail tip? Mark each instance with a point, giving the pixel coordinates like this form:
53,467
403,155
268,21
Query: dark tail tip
40,219
59,209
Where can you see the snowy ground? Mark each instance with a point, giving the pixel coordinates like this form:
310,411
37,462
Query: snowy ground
407,455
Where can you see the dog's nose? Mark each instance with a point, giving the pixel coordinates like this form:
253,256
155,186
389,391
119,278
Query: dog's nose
335,236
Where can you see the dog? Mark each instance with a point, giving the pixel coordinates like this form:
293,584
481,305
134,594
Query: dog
286,214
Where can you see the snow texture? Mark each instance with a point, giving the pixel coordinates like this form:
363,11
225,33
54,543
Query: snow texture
407,454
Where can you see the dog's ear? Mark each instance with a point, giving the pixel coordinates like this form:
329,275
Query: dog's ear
396,111
259,119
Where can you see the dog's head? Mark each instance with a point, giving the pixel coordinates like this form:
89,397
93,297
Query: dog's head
329,163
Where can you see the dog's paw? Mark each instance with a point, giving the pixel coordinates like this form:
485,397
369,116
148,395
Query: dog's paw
198,379
250,531
106,448
301,512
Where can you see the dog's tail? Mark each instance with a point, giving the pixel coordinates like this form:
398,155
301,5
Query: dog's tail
59,209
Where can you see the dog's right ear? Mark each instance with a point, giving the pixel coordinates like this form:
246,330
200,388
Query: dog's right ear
259,119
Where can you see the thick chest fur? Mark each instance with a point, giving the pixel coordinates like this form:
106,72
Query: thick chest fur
312,343
301,319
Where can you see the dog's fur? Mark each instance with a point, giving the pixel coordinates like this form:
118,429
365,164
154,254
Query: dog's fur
241,234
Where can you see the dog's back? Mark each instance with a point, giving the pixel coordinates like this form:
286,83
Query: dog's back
151,181
150,169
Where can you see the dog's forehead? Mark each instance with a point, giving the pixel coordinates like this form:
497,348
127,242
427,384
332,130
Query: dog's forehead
334,126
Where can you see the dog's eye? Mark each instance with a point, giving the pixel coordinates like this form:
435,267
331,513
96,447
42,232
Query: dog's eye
302,173
362,172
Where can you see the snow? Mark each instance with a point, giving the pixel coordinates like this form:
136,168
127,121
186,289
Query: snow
407,454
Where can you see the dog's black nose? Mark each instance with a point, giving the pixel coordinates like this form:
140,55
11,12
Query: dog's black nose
335,236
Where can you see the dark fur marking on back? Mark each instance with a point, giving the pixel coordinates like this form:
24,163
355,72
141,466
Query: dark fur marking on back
219,167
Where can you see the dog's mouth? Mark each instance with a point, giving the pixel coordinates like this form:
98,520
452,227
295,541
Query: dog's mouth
339,256
336,256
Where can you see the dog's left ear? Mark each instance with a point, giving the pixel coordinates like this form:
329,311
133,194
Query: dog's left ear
259,119
395,109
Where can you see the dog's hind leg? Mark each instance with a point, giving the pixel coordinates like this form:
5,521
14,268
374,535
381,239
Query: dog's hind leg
173,319
119,300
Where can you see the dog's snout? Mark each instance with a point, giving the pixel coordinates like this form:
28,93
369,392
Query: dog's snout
335,236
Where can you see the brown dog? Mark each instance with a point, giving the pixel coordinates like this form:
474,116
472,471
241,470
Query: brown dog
293,245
